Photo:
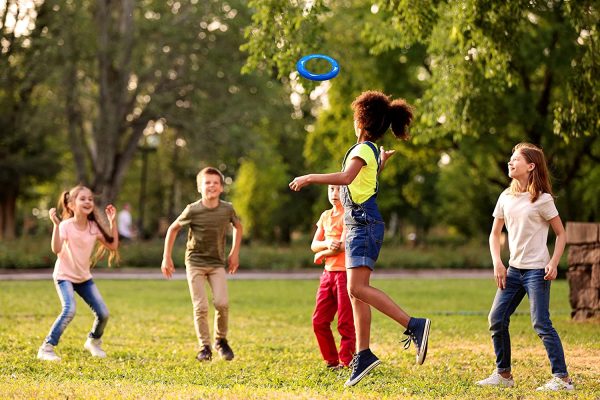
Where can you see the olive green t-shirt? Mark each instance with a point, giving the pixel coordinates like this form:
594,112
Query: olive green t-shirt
206,236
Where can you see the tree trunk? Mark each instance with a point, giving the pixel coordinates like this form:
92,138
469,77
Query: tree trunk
8,205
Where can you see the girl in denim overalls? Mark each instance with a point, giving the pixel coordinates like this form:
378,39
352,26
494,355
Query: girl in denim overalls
374,112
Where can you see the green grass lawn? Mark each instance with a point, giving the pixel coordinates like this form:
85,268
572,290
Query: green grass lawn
151,345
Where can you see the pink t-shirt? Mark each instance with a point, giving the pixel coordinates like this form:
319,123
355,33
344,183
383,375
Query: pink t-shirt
73,262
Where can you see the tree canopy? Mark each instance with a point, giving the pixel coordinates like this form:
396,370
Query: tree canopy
483,76
191,84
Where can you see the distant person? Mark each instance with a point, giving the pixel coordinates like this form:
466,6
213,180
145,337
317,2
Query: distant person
527,208
374,113
73,241
332,295
126,228
208,219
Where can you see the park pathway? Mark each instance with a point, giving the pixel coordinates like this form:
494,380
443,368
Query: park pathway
154,273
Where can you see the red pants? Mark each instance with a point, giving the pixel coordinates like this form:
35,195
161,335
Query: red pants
333,296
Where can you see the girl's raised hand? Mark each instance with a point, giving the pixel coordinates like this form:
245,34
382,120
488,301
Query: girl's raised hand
111,212
53,216
385,154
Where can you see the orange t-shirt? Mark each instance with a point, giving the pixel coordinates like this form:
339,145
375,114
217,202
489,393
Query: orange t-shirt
333,226
73,262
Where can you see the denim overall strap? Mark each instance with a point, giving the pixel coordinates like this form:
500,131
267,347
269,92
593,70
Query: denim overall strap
345,190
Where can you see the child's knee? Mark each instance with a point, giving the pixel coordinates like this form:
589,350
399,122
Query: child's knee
221,305
103,315
68,312
355,291
200,309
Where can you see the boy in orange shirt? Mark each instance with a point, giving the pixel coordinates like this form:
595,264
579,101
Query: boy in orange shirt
332,295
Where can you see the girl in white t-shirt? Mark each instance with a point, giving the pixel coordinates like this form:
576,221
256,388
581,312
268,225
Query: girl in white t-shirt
73,241
527,209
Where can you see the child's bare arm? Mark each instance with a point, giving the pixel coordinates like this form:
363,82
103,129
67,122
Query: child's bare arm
318,243
234,254
56,243
167,265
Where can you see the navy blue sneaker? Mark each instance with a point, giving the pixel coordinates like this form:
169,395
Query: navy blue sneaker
362,362
418,332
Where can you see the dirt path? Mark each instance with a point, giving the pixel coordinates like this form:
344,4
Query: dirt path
154,273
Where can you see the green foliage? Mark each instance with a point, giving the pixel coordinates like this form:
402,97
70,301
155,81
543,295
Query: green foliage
34,252
289,30
483,75
255,202
151,344
28,110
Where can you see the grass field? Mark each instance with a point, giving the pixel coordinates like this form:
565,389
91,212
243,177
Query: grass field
151,345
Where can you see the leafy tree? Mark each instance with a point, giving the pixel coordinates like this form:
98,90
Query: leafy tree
493,74
27,115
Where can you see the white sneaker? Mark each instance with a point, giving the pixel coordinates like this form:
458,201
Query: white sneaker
93,345
555,384
46,353
496,380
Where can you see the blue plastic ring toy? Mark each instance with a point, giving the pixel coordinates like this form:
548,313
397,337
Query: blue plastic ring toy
300,66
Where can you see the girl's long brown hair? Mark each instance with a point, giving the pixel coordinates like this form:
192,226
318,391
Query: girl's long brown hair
65,212
539,178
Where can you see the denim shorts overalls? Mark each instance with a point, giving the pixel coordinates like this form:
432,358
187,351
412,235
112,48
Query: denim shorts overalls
364,224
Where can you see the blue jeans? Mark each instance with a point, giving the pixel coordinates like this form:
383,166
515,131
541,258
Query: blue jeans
90,294
518,283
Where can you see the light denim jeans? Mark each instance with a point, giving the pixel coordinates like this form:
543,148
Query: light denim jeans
90,294
518,283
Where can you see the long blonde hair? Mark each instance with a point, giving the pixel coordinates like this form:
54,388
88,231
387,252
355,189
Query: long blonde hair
539,178
68,197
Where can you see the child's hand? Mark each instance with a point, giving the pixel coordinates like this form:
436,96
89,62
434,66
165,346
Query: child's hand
385,154
298,183
53,216
500,276
551,272
335,245
111,212
234,263
167,267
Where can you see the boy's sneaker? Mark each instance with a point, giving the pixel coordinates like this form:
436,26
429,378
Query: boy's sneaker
224,350
361,364
93,346
205,354
46,353
496,380
418,332
556,384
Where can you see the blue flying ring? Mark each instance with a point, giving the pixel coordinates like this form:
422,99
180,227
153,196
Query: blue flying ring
335,68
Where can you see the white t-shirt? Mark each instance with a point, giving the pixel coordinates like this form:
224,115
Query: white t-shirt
527,226
124,224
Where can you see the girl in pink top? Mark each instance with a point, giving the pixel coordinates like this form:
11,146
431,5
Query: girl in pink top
73,242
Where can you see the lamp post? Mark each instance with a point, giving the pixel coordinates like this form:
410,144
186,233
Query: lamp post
148,145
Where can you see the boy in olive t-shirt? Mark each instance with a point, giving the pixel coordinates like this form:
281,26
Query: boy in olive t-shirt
208,219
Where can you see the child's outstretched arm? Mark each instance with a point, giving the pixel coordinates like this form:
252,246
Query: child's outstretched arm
234,254
345,177
167,267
